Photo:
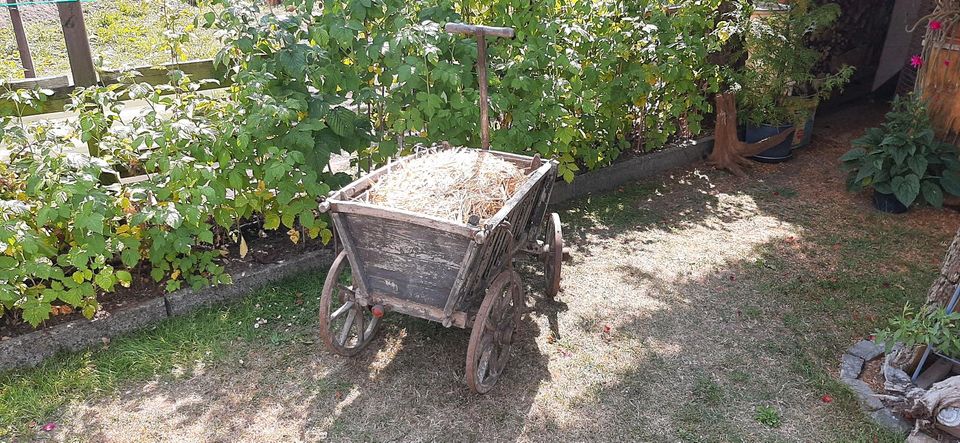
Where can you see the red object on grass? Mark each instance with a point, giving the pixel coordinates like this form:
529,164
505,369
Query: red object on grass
826,398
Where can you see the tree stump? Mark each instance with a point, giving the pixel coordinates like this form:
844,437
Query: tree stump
729,152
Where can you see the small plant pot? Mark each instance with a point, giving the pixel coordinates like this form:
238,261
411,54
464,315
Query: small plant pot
776,154
888,203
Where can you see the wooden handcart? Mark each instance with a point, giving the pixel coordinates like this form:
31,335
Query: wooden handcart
458,274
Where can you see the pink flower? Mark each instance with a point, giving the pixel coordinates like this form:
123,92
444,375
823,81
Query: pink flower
916,61
49,427
935,25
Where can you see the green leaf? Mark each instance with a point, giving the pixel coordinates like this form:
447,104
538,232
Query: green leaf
7,262
130,257
35,311
271,221
906,188
951,182
341,121
124,278
932,193
917,164
104,281
71,297
853,154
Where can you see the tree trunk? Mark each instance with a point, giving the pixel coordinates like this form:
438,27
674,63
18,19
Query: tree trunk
937,297
728,151
943,287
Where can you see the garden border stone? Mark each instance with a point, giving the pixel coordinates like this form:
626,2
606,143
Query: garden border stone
862,352
32,348
618,174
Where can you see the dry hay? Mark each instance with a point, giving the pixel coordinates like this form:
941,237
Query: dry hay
450,184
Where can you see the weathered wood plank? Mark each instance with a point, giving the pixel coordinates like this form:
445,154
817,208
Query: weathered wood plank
407,217
459,319
154,75
77,42
343,228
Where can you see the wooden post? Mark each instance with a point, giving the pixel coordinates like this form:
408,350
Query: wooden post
78,45
21,36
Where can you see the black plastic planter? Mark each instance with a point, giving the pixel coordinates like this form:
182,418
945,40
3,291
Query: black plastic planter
776,154
888,203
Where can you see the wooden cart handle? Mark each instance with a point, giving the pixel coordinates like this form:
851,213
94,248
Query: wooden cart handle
463,28
481,33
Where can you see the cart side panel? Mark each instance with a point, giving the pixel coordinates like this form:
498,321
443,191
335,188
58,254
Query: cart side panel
493,252
406,261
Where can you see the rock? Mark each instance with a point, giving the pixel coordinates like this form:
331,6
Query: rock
893,423
850,366
919,437
866,349
865,395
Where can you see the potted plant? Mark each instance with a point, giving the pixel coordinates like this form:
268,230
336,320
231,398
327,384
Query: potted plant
779,89
903,161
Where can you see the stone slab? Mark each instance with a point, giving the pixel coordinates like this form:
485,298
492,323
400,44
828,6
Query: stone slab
865,395
850,366
866,349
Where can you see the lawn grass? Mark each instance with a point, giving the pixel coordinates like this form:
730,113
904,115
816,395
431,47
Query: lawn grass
697,307
122,33
173,349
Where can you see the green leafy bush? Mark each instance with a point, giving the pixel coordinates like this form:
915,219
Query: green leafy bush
368,78
779,85
580,81
903,157
931,326
70,230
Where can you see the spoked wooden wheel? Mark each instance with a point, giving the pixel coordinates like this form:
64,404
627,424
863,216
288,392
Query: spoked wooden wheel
493,331
346,326
553,255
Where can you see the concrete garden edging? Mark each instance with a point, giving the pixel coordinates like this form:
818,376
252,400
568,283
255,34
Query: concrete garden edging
618,174
851,365
32,348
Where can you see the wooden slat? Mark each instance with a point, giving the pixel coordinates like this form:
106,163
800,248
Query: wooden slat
413,218
156,75
459,319
197,69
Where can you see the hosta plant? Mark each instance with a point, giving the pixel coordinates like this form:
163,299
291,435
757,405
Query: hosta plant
903,157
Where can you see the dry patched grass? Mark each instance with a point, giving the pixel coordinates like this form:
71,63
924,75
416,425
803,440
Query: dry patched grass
697,307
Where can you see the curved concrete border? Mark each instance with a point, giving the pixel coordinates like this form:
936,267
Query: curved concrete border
618,174
32,348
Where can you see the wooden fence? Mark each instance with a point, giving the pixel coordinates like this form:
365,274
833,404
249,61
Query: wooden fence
82,70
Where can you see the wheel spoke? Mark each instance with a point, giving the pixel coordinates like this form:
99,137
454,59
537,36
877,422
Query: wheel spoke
483,369
360,319
370,329
341,310
347,325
